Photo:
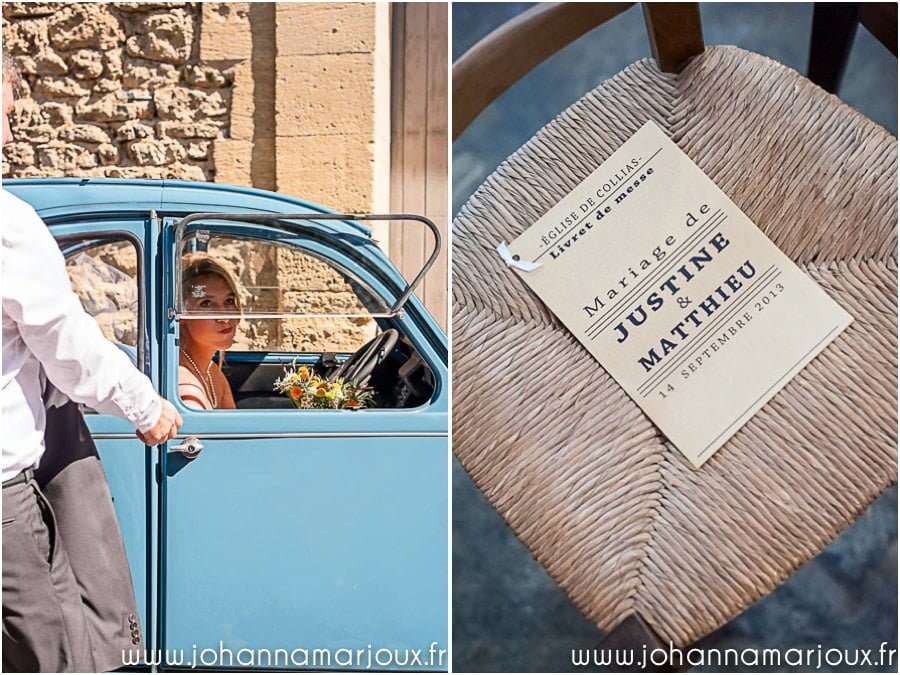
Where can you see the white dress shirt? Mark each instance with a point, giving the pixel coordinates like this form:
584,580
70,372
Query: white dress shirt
45,325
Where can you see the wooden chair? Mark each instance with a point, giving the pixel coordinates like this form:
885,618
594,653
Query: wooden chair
618,518
833,29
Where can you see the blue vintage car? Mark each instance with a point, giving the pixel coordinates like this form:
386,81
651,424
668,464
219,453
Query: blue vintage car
268,527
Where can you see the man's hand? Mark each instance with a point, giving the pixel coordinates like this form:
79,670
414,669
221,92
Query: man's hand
166,426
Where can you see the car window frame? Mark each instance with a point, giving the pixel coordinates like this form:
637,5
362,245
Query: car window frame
282,223
411,325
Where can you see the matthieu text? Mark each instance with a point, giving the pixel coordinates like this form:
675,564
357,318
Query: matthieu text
673,287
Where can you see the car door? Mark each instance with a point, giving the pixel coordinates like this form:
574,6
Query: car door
111,263
303,539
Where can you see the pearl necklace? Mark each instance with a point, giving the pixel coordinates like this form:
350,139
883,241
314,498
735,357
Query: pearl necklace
213,398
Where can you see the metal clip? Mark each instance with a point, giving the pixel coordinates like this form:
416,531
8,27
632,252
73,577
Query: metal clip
514,261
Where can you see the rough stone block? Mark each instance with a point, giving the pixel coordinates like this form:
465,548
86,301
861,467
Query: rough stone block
18,153
134,131
163,37
108,154
51,87
188,130
113,107
156,152
26,112
84,133
86,64
85,24
189,105
324,28
204,76
182,171
198,149
65,157
112,64
19,9
25,65
26,36
225,31
42,133
48,62
143,74
105,86
56,113
324,94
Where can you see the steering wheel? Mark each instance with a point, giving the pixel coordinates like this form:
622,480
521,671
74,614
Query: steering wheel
358,368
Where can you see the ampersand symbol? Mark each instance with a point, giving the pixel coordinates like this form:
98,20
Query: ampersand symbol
683,301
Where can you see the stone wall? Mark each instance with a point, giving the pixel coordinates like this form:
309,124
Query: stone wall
292,97
114,90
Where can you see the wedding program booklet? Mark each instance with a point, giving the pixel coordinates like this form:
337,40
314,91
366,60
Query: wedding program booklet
677,293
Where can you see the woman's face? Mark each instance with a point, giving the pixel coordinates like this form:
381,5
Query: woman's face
210,293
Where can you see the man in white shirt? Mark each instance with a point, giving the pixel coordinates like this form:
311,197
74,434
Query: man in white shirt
45,327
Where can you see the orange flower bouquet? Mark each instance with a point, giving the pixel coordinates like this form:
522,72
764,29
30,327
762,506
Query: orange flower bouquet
310,391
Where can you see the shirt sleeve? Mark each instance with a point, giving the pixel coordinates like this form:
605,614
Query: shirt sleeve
76,356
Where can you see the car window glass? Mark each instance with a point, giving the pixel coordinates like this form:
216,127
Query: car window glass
275,278
273,355
104,277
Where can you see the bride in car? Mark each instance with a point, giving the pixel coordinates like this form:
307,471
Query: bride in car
207,287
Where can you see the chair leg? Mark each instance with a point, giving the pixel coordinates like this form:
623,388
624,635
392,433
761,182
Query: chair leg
880,19
833,30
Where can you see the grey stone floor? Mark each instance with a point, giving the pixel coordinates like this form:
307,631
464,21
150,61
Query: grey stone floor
508,615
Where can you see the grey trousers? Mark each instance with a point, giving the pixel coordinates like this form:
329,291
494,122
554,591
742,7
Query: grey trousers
68,599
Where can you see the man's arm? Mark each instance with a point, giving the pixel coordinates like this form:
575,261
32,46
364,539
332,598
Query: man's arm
76,356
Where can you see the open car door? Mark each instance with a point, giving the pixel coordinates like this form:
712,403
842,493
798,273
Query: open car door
298,538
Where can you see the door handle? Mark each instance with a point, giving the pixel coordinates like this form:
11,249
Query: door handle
190,447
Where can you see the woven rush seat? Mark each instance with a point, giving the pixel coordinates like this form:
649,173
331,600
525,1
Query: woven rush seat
615,514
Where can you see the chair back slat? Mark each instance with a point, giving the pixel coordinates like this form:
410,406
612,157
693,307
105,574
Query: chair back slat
675,32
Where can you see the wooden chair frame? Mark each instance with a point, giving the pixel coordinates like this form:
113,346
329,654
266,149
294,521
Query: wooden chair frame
675,33
504,56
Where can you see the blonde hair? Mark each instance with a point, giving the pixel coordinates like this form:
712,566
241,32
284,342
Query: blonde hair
196,265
